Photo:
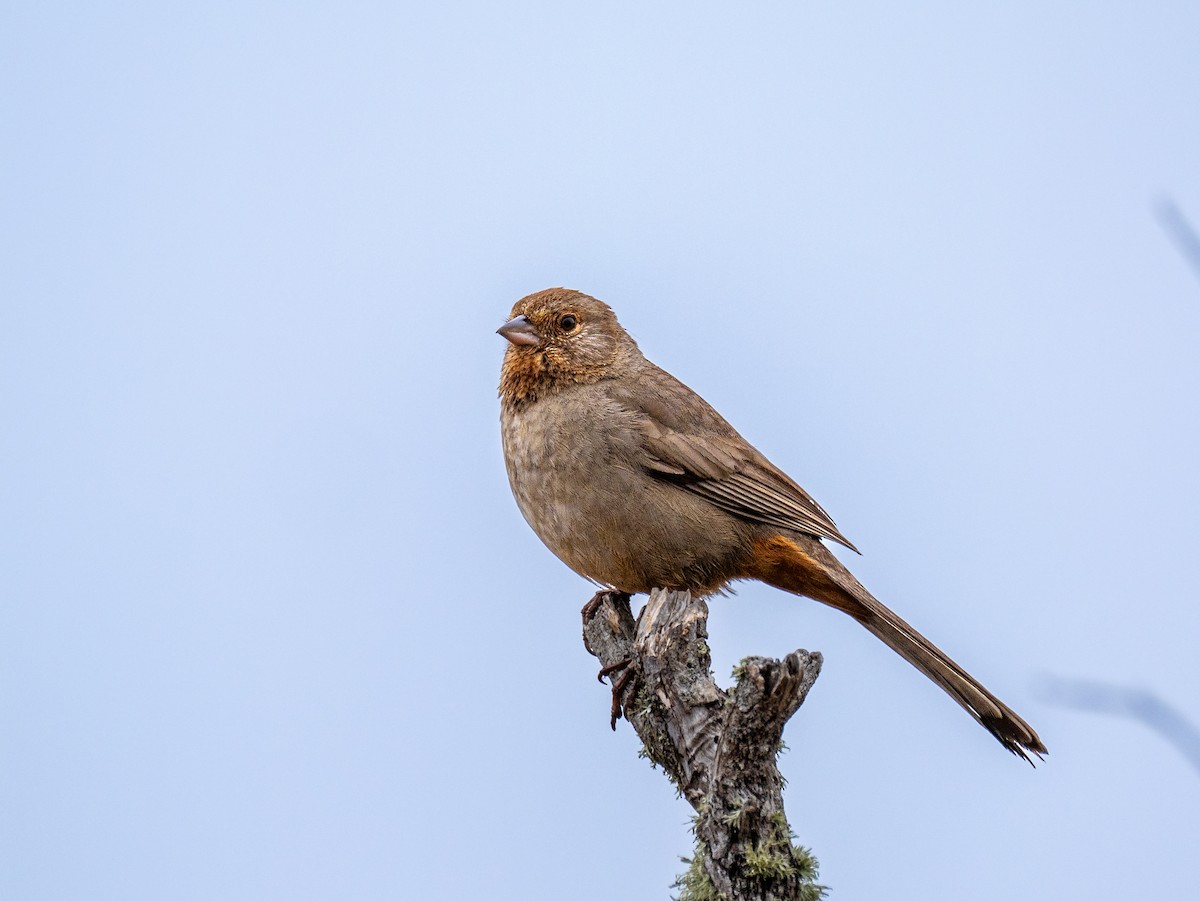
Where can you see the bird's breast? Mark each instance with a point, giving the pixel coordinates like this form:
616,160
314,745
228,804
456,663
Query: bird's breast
575,465
559,455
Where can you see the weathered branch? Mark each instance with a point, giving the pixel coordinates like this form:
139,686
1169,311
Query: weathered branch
718,746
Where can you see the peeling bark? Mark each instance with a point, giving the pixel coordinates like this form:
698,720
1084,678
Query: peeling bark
717,746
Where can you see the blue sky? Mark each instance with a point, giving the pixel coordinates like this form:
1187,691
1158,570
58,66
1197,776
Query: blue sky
271,624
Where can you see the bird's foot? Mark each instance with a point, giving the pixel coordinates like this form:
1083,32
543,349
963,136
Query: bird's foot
615,668
622,682
592,607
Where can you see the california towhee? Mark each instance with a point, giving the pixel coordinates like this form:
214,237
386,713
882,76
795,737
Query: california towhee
636,483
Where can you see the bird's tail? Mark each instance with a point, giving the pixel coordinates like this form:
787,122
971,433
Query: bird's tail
805,566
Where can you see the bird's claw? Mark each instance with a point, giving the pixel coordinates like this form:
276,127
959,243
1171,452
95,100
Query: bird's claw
609,670
592,607
628,675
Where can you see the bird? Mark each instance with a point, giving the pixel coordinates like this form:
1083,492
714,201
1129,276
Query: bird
635,482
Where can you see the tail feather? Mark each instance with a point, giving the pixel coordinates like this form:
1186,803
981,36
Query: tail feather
806,567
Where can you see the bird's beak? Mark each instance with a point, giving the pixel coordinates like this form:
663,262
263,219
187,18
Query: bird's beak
519,331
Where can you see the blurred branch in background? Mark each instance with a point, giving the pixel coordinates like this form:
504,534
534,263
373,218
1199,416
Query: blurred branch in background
1180,230
1135,703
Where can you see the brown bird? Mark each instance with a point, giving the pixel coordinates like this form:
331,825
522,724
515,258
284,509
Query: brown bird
636,483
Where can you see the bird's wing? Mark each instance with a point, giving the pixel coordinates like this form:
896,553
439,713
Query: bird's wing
687,442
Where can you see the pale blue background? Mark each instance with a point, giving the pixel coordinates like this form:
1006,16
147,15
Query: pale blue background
272,627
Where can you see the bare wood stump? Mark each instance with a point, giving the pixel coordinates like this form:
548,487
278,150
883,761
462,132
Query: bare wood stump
717,746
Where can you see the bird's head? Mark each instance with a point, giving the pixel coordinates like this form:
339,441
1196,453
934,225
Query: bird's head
556,337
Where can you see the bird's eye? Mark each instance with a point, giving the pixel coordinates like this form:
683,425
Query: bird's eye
567,323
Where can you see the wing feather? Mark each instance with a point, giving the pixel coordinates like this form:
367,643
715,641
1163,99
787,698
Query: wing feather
698,450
